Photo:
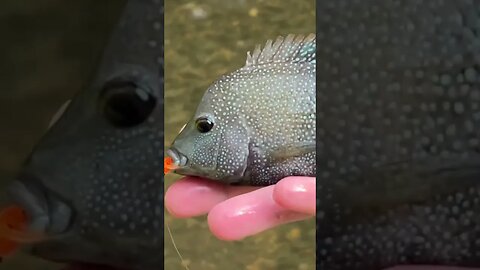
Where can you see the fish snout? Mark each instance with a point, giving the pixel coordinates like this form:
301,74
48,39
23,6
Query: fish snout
179,160
45,214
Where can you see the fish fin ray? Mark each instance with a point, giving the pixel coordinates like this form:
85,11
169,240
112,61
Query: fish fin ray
292,48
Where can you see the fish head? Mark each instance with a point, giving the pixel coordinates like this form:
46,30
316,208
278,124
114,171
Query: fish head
93,185
238,129
214,143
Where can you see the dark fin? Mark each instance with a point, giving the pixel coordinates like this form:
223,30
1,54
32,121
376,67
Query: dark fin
293,49
409,182
291,151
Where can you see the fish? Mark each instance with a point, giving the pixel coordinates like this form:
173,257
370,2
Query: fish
398,122
168,165
91,190
255,125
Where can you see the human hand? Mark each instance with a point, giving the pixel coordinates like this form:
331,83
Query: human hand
238,212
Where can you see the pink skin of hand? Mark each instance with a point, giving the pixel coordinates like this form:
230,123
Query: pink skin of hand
238,212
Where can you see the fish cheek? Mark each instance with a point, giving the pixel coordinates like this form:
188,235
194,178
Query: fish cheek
233,155
202,155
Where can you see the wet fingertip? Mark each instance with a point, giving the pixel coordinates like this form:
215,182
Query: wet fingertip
175,214
243,216
282,192
172,206
168,203
216,224
296,194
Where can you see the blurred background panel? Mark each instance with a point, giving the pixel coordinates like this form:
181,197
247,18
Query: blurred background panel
49,51
203,40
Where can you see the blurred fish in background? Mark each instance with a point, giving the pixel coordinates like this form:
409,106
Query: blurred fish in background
93,185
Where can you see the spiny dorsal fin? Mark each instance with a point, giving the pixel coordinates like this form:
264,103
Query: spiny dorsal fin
293,48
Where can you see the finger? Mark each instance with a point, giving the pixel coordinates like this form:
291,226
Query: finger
192,196
249,214
297,194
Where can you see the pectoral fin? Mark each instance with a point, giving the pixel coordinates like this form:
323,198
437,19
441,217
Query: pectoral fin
291,151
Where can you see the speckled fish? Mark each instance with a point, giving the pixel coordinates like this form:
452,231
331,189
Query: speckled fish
255,125
92,189
398,133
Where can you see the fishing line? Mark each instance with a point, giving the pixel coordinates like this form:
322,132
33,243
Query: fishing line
176,248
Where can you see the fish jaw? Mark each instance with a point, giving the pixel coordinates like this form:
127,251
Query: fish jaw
182,166
190,166
179,160
47,214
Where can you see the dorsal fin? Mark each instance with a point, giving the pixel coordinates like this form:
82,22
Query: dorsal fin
293,48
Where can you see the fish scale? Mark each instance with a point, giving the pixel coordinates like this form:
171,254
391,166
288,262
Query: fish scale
262,117
398,125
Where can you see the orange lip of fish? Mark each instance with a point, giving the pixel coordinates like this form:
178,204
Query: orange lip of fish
168,165
13,230
173,160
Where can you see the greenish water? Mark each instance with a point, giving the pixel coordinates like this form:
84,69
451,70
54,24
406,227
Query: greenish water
203,40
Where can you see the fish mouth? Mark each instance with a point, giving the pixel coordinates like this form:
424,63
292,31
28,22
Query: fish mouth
179,159
46,214
181,165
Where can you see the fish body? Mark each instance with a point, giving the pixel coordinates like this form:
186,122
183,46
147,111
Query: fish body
255,125
93,184
398,134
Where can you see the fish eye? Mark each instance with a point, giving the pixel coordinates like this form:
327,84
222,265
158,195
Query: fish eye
126,104
204,124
